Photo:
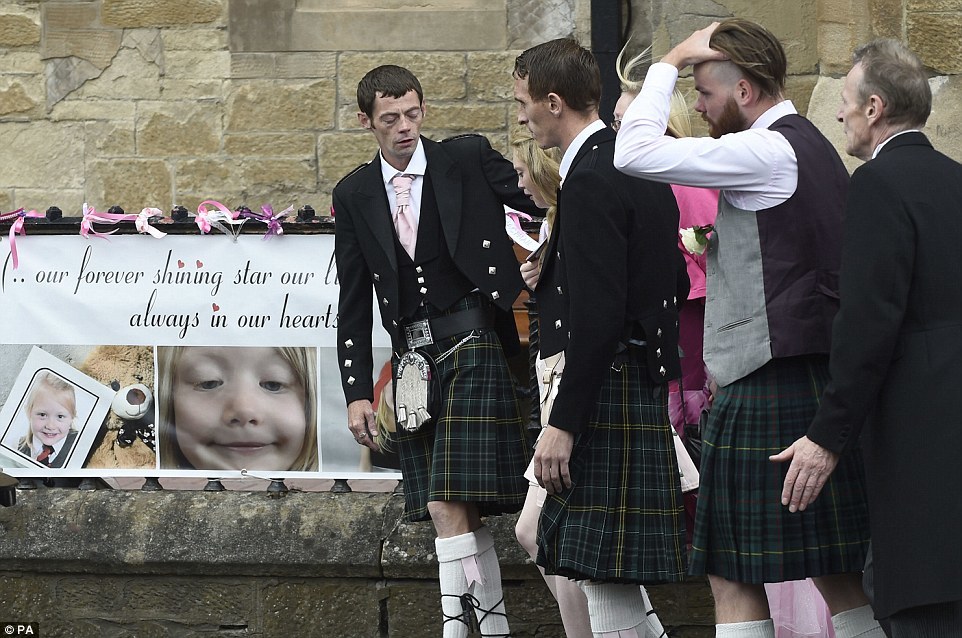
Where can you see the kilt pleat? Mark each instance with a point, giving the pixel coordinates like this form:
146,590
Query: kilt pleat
742,531
477,449
622,520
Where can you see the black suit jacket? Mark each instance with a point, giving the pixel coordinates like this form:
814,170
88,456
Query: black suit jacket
896,366
472,184
612,270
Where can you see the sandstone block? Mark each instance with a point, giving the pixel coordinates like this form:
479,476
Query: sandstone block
97,46
195,39
67,16
836,43
128,76
270,145
148,42
324,608
16,101
944,127
467,117
222,601
532,22
121,111
66,75
260,26
339,154
197,65
48,155
177,128
20,62
442,76
489,77
17,30
214,92
108,139
281,106
69,200
886,18
6,200
821,111
935,6
338,30
130,183
935,38
147,13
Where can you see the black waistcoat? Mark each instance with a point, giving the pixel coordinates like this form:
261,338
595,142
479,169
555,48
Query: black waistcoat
432,276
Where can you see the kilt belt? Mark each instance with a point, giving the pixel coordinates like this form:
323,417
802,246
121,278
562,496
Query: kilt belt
424,332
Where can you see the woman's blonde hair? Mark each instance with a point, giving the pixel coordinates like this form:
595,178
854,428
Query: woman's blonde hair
544,167
679,117
45,381
302,362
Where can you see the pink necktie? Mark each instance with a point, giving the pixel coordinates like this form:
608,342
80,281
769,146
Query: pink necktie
407,227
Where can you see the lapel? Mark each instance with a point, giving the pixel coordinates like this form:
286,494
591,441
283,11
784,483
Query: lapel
370,199
446,182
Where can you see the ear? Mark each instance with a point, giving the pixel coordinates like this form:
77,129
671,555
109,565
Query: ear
363,119
555,104
744,92
874,108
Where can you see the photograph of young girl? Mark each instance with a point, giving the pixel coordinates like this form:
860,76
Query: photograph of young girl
234,408
51,411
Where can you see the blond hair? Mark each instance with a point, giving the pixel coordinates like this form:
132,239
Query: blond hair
679,117
45,381
544,167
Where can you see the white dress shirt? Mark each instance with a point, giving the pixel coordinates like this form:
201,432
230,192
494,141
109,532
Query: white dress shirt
755,169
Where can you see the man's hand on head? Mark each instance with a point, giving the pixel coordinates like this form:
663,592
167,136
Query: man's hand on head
694,49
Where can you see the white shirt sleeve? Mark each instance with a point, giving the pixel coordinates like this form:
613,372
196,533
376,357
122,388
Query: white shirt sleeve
756,168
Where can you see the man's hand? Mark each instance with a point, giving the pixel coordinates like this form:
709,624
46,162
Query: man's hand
361,423
551,458
694,49
811,466
531,272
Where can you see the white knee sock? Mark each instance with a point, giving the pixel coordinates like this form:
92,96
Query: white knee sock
750,629
857,622
615,611
653,626
473,555
453,582
491,617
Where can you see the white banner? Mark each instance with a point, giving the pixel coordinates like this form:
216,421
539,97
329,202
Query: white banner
250,311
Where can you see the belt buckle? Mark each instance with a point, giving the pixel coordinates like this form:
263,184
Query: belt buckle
418,334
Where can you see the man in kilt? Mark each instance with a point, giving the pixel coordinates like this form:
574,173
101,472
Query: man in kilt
773,262
610,279
444,284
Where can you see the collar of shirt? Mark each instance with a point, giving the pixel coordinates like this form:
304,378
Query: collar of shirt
886,141
780,110
37,447
417,167
576,144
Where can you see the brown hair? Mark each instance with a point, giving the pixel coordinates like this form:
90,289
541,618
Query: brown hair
755,51
389,80
564,67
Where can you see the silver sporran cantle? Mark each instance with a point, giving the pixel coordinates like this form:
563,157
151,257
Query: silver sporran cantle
413,389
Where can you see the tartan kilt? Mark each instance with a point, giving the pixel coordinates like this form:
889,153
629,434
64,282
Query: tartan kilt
742,531
623,519
477,449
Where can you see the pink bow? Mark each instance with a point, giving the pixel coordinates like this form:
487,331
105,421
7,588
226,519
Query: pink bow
215,218
273,221
143,222
90,215
17,229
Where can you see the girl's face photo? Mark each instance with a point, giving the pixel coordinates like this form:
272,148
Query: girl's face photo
50,417
238,408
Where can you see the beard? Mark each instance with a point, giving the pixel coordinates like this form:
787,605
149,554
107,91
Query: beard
731,120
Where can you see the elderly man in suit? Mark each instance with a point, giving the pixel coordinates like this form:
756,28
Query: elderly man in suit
609,284
896,359
444,276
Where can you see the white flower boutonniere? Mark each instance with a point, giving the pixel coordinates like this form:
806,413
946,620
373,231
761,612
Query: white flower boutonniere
695,239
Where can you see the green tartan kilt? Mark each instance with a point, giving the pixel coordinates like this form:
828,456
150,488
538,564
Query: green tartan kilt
623,519
742,531
477,449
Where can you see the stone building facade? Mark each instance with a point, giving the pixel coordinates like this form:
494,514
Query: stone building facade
143,103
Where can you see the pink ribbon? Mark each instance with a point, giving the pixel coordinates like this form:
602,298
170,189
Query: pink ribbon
272,220
143,226
90,215
216,218
471,570
513,215
16,228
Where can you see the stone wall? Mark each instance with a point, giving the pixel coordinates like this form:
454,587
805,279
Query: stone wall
137,103
311,564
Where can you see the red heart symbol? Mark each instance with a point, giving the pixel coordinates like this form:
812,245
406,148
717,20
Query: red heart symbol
215,307
200,264
180,264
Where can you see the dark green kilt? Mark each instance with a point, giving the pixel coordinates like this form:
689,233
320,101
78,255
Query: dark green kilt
623,520
477,450
742,531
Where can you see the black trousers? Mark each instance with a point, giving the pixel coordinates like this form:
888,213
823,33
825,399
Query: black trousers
942,620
